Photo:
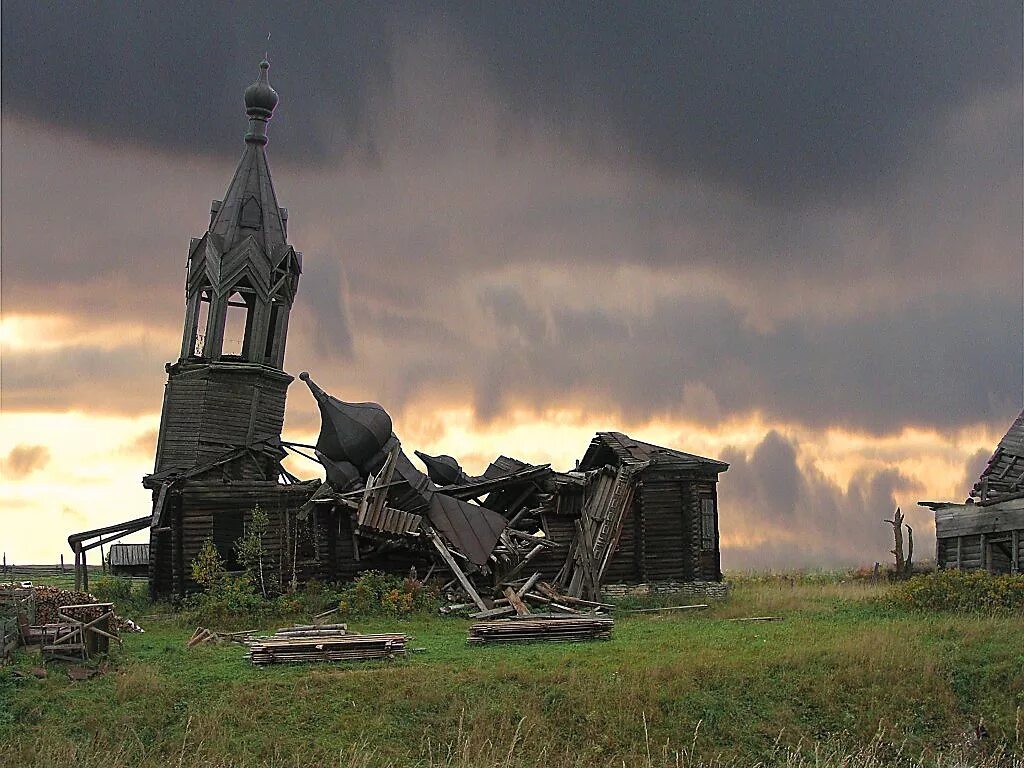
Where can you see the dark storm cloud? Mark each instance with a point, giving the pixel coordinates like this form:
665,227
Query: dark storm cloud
792,101
806,518
973,468
947,363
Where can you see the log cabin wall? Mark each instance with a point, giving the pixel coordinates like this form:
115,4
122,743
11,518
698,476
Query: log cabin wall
218,511
667,539
987,535
706,538
677,542
210,407
321,543
624,567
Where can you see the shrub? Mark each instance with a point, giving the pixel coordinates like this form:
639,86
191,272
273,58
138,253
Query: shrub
955,590
379,594
208,566
225,597
315,597
113,589
252,553
126,594
225,602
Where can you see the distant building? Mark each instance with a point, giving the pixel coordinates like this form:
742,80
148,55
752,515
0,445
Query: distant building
987,530
128,559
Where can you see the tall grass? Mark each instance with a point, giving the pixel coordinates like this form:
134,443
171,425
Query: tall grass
472,749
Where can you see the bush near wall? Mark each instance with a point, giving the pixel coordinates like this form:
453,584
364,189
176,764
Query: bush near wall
375,593
954,590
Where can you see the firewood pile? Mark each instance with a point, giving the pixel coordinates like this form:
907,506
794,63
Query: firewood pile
328,642
543,628
49,600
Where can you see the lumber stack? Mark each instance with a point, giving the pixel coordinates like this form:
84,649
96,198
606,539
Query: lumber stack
531,629
337,647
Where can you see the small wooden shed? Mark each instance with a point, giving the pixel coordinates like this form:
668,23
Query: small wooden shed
128,559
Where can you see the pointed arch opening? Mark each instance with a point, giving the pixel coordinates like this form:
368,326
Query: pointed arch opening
237,324
202,324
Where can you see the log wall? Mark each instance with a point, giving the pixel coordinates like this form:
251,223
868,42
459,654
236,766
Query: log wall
210,408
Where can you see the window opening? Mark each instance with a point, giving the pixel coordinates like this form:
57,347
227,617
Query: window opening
202,322
707,524
236,326
268,349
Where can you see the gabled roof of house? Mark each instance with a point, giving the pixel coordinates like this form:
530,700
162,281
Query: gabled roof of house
625,448
1004,473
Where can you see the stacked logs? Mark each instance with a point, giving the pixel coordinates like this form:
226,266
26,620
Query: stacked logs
548,628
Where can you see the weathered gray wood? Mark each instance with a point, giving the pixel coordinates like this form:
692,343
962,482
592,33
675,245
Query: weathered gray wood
467,585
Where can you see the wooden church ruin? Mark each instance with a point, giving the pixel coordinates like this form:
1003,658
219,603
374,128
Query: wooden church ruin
630,513
986,532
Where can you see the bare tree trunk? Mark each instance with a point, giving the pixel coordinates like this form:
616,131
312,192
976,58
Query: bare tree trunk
897,551
263,584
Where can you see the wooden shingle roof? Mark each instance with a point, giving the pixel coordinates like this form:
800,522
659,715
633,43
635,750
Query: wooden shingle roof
1005,471
625,448
128,554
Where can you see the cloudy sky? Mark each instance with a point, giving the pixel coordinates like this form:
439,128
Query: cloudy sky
785,235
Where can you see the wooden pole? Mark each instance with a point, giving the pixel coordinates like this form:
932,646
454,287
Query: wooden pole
62,562
78,566
85,572
465,582
103,559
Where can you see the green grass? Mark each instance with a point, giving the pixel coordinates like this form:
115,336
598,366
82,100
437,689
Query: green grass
684,688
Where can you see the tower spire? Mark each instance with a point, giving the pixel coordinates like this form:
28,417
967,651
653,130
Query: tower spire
242,273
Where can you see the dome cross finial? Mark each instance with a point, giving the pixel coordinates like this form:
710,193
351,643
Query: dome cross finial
260,101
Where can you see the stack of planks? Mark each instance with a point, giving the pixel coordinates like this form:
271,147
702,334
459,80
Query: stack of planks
326,643
553,628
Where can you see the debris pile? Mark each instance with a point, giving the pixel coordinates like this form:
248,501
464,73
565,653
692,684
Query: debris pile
541,628
517,539
49,601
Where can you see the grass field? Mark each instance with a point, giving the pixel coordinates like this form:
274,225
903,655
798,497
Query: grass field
846,679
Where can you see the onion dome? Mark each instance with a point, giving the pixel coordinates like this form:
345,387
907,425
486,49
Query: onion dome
352,432
443,470
260,97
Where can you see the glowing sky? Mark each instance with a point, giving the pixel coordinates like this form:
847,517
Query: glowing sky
788,238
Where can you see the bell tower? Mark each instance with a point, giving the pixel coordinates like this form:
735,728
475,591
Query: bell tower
227,389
